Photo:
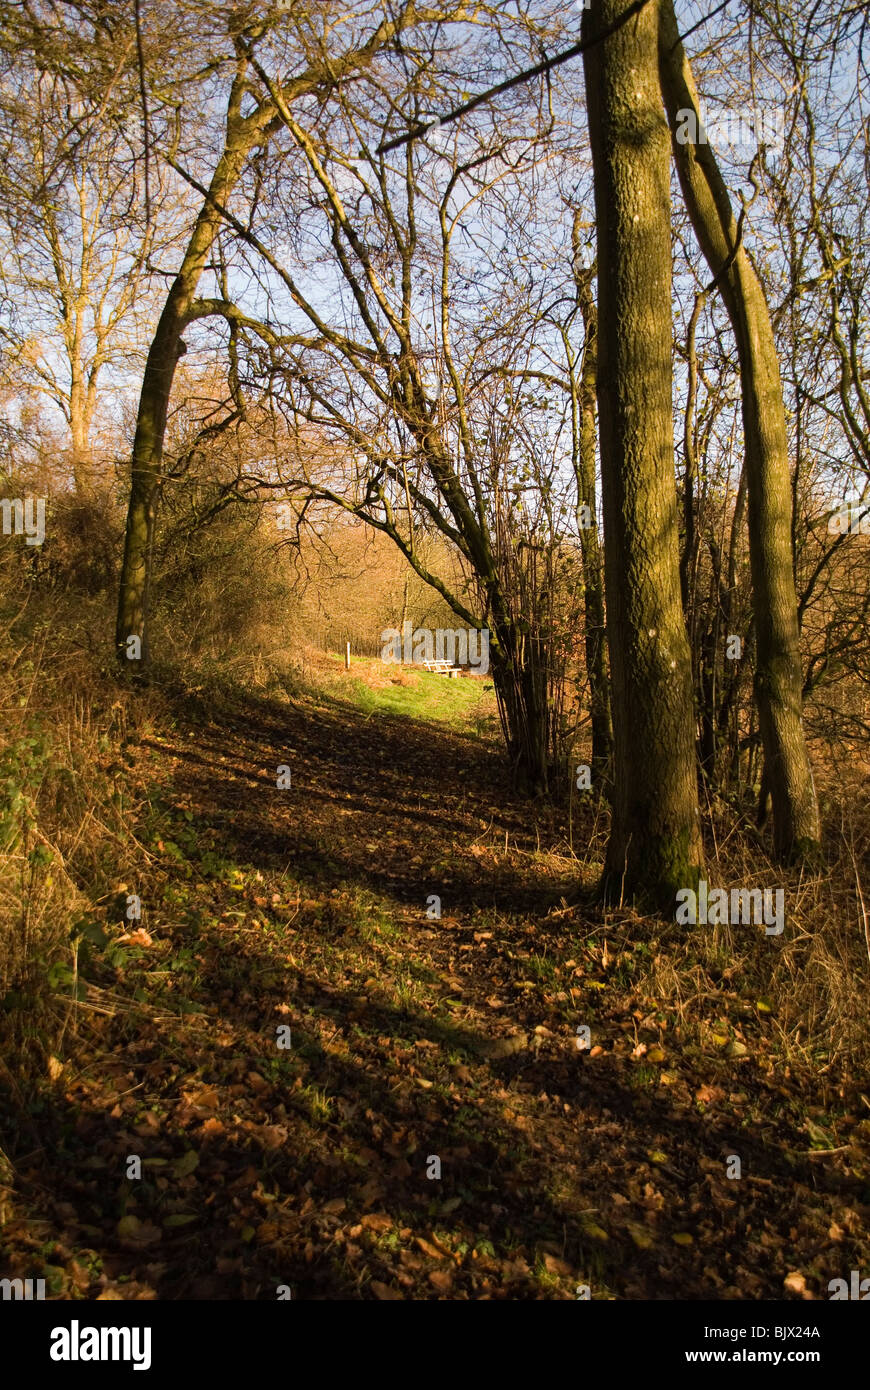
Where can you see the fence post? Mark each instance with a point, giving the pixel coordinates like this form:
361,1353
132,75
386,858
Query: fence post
347,656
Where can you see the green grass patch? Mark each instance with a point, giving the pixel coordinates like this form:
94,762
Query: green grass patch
466,702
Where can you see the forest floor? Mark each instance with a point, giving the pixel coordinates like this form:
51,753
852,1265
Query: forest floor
417,1045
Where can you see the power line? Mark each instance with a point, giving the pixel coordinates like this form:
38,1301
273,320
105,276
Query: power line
423,127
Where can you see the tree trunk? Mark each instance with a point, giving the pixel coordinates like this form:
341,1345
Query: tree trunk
655,843
166,349
593,570
519,673
689,551
778,679
132,620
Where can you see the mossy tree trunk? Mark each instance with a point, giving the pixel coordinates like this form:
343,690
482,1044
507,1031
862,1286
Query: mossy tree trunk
655,843
778,678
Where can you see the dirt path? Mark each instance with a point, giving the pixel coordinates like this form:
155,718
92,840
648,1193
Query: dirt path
415,1044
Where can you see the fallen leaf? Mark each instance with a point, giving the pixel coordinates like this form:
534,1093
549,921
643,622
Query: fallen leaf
591,1228
383,1291
428,1249
184,1166
137,1235
643,1239
205,1099
271,1136
795,1282
377,1221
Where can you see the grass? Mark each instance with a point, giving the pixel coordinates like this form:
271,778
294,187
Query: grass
373,687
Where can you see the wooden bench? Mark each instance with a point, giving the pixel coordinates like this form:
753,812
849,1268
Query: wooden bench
442,668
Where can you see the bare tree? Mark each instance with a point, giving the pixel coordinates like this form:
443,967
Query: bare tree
76,248
252,118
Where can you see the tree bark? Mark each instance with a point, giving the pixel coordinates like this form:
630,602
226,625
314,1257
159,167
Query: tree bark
593,569
778,679
655,842
519,674
167,347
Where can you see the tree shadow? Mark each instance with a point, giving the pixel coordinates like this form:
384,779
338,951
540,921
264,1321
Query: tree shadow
546,1155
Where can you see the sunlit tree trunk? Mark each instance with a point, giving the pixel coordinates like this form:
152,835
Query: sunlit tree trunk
655,843
778,676
167,347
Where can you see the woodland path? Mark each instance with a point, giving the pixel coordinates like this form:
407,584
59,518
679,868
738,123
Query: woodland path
410,1039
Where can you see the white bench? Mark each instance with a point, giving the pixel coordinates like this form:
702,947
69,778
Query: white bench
442,668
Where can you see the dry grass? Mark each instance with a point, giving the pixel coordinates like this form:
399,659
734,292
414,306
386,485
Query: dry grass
805,991
67,807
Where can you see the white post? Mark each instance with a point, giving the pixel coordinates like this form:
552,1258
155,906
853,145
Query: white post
347,656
